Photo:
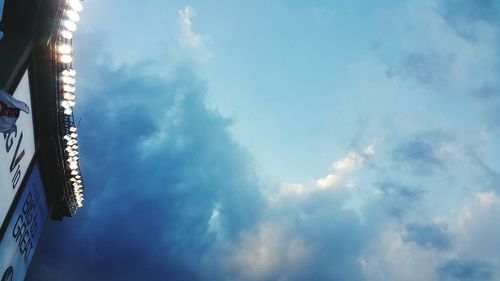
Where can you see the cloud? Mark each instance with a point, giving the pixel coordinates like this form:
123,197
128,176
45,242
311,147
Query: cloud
150,202
398,199
425,152
466,270
427,68
189,37
457,55
341,168
432,236
171,196
191,41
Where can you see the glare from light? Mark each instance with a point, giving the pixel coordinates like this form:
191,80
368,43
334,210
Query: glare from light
69,96
73,15
65,104
69,88
75,5
69,72
64,49
70,25
66,34
68,80
66,59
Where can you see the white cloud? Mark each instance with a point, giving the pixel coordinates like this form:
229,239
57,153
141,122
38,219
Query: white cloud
341,168
265,251
194,44
189,37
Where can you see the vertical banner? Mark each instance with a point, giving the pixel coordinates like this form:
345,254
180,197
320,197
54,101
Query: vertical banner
24,230
16,151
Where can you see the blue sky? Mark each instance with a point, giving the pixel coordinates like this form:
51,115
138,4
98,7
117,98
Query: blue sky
285,140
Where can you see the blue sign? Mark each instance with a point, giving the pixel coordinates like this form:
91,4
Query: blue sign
24,230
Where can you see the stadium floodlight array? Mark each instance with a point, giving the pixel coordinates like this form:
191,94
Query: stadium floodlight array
66,79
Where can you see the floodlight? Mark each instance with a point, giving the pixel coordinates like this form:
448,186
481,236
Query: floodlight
64,49
69,88
70,25
75,5
66,59
66,34
69,72
73,15
69,96
65,104
68,80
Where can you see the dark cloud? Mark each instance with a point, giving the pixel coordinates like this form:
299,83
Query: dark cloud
466,270
431,236
429,69
156,163
421,152
489,177
461,14
158,166
471,11
398,199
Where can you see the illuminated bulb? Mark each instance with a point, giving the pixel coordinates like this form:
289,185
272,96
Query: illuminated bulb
71,103
69,88
69,72
74,135
68,80
74,172
67,138
66,34
73,129
72,153
78,177
64,49
66,59
68,111
75,5
69,149
69,96
65,104
70,25
73,15
75,147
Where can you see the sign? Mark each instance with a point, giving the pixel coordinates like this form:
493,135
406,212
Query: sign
24,230
16,151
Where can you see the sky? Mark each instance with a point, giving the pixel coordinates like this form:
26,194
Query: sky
285,140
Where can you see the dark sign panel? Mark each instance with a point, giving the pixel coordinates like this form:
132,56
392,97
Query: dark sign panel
24,230
16,151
